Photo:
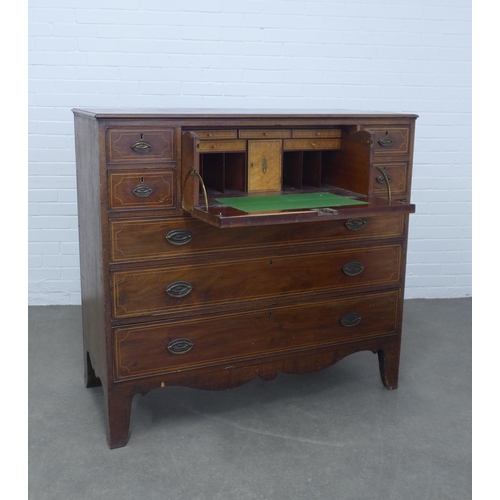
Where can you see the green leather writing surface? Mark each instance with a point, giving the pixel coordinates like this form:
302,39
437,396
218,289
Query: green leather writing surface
288,202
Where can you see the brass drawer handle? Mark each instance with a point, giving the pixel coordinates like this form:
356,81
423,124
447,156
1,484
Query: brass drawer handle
180,346
179,237
353,268
141,147
386,141
381,179
179,289
142,190
355,224
350,319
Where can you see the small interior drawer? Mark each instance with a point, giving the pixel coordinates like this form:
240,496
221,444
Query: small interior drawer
161,348
143,189
308,144
264,134
216,134
207,146
140,145
316,133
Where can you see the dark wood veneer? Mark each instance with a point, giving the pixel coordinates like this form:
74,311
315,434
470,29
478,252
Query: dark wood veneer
178,289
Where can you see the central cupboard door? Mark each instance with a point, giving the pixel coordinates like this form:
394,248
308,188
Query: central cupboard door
264,165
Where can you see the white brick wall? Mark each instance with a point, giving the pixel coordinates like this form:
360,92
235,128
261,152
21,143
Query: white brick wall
391,55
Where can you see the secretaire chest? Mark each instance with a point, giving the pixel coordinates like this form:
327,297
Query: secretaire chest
218,246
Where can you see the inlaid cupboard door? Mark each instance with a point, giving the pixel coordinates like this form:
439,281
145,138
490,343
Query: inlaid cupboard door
264,165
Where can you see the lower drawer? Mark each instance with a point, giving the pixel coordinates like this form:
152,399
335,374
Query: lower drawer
137,239
221,282
182,345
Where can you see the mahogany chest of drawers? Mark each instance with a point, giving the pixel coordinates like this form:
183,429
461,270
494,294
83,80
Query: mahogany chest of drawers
218,246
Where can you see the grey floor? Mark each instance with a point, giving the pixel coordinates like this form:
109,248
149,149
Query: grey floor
335,434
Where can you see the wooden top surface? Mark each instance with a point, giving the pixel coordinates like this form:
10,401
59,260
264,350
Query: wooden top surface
233,113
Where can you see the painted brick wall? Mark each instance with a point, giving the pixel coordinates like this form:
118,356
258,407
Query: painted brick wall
391,55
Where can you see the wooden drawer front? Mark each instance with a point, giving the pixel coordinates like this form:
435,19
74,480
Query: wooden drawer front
142,189
206,146
198,286
265,134
316,133
396,174
391,140
140,145
306,144
216,134
147,350
164,238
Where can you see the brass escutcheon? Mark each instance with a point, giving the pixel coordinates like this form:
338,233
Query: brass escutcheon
264,165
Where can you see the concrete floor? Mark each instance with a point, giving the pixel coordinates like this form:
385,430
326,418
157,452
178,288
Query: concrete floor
336,434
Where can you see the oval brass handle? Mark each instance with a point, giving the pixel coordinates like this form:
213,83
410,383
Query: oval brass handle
381,179
386,141
353,268
350,319
180,346
355,224
313,144
179,237
142,190
265,133
141,147
179,289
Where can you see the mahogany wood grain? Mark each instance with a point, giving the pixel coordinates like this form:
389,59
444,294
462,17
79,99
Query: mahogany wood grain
143,291
143,350
142,239
157,145
285,291
142,189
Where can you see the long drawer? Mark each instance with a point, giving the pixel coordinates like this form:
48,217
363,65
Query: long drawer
141,239
198,286
181,345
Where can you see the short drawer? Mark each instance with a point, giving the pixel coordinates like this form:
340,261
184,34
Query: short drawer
307,144
139,239
207,146
216,134
391,140
142,189
396,174
316,133
140,145
165,290
264,134
183,345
